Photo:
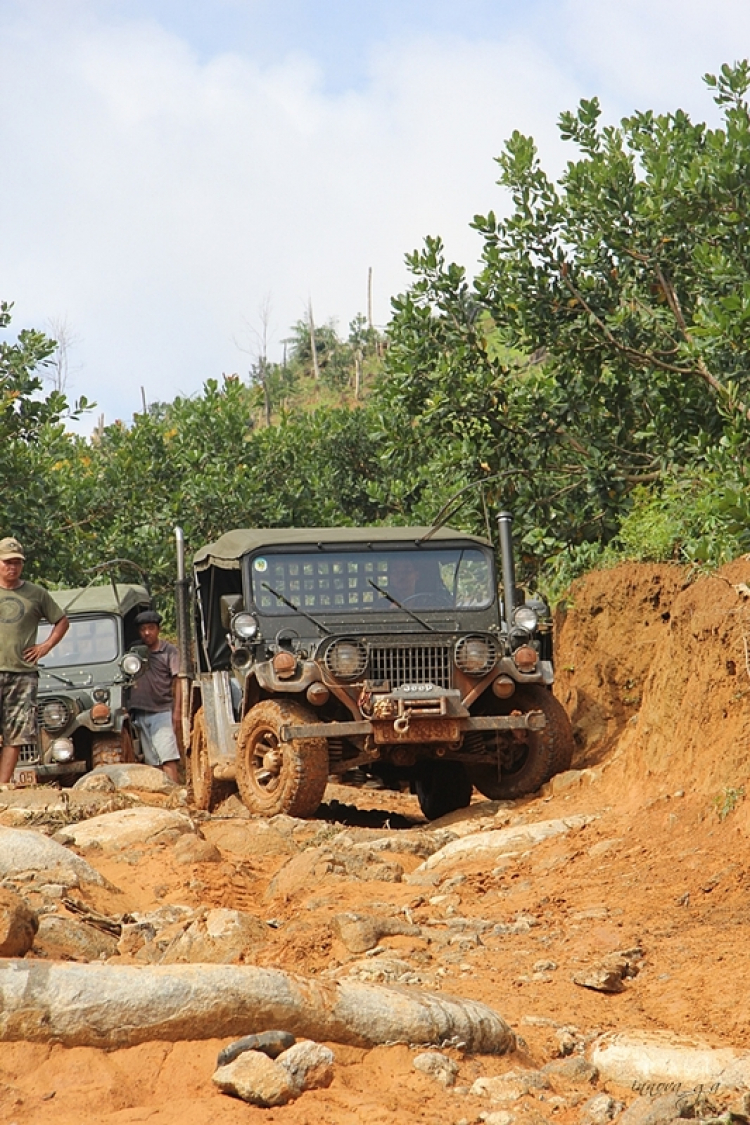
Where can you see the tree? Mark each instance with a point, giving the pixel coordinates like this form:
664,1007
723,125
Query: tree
628,285
33,444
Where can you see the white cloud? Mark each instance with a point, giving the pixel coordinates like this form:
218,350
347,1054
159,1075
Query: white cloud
154,198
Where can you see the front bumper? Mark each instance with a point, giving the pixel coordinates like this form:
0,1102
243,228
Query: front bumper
447,729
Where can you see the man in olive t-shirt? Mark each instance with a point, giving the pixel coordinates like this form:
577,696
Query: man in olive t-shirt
22,606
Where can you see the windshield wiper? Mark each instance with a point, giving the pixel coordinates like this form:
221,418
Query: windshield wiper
296,608
396,602
54,675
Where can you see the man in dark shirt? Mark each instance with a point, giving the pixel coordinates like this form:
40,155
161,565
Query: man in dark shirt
154,702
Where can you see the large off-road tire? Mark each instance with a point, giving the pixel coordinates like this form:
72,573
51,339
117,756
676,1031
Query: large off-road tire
199,773
112,749
562,731
537,757
441,787
280,777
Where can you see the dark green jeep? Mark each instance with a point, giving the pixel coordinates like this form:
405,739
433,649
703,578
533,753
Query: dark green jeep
83,720
382,648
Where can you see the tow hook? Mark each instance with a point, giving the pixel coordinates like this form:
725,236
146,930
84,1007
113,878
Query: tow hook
401,724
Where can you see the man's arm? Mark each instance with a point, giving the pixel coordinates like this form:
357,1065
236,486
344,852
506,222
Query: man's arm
177,709
35,653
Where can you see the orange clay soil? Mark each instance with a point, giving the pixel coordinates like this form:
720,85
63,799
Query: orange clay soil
653,667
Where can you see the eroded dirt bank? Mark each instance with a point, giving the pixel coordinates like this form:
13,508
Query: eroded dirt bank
653,867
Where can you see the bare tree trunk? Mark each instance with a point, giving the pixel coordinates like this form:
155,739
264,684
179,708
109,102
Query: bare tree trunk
59,369
369,298
357,372
313,346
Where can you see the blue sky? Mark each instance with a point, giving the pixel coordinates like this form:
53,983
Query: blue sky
173,167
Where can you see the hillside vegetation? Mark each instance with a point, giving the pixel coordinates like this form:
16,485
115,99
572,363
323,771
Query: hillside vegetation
594,378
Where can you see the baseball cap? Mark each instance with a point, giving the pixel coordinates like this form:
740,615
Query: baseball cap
148,617
10,548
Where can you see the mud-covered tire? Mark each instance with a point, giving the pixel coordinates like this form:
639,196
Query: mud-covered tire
442,787
112,749
280,777
199,772
562,731
539,757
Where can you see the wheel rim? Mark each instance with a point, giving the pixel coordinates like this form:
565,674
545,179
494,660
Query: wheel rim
515,758
266,760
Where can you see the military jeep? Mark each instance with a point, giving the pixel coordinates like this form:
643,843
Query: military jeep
389,649
82,717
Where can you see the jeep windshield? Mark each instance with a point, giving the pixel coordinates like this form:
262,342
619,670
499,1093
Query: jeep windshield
89,640
337,580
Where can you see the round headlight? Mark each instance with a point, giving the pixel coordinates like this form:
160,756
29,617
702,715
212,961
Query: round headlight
62,750
54,714
346,659
245,626
476,655
131,664
526,618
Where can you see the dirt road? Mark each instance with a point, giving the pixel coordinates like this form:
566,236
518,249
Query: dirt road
653,868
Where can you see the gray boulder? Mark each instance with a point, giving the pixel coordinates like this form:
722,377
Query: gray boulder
132,775
438,1066
115,1005
256,1079
130,827
23,852
219,937
308,1064
65,939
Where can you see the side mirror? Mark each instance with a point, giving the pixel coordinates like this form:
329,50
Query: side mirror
229,605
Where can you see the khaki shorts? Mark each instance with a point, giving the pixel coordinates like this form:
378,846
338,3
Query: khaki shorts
18,725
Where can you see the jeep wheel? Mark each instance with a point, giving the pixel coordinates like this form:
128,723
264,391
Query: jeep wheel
112,749
280,777
441,788
536,758
199,772
562,731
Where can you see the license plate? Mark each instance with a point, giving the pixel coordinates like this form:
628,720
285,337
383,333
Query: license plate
24,775
419,730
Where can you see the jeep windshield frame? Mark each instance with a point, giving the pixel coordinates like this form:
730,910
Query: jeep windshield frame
353,579
90,639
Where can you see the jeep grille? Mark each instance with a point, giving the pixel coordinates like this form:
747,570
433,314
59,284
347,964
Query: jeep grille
28,755
411,664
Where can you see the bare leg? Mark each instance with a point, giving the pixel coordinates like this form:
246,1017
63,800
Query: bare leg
171,770
8,759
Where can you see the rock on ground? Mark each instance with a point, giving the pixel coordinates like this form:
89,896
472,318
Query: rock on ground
65,939
23,850
110,1005
256,1079
129,827
220,936
438,1066
488,845
18,924
132,775
654,1058
308,1064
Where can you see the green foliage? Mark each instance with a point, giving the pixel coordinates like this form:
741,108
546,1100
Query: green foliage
727,801
627,283
32,442
594,379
